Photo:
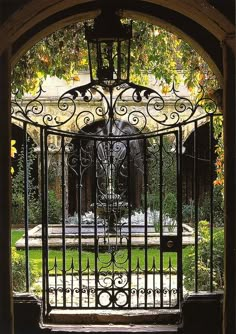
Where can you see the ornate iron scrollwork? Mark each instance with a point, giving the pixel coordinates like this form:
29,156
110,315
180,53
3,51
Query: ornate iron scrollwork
142,108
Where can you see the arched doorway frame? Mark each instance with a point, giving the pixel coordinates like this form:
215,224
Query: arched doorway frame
23,25
169,18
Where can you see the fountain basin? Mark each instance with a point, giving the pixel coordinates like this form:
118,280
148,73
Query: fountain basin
87,236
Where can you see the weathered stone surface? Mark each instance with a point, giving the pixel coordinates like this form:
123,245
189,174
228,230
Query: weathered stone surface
115,316
27,310
27,314
160,329
203,313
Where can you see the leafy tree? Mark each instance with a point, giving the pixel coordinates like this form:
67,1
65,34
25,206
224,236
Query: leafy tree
61,54
154,50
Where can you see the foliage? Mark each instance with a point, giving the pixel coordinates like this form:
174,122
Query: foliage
54,208
54,194
188,213
218,133
61,54
168,172
170,205
18,272
204,260
34,200
13,152
204,210
154,50
167,57
218,208
18,191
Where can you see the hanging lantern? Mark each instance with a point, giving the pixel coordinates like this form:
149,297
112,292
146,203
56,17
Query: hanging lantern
109,49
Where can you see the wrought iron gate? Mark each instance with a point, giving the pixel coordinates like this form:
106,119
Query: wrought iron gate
116,171
125,254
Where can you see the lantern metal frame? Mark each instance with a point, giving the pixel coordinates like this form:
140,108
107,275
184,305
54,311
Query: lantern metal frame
109,48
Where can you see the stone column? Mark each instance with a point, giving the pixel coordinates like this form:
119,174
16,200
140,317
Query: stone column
229,190
6,307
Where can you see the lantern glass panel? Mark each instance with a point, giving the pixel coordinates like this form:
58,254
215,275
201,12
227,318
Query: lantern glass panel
109,61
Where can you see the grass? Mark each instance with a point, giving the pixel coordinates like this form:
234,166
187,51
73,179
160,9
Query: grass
16,235
104,263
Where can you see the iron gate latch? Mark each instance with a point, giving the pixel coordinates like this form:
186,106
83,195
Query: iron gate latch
169,243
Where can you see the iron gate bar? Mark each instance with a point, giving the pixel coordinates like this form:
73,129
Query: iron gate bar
42,184
169,291
154,281
161,215
145,177
46,215
195,197
72,283
211,179
44,163
26,207
179,145
63,219
95,222
55,281
79,183
129,221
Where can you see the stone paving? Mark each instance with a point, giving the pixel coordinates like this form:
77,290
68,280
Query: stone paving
109,295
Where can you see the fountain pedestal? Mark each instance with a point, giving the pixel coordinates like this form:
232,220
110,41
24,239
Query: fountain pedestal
112,222
111,212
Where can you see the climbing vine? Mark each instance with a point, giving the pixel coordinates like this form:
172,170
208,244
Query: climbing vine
218,127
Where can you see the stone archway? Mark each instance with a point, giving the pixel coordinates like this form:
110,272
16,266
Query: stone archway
205,14
13,31
203,33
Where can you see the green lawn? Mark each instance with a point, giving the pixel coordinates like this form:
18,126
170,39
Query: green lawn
137,255
16,235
